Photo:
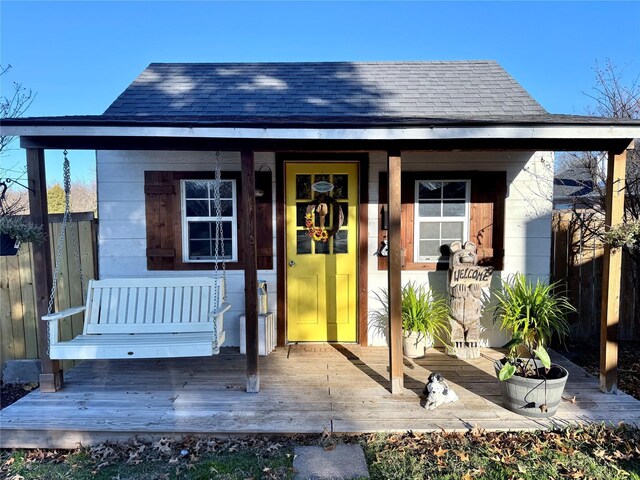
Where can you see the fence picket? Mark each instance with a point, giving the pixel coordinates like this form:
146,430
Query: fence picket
577,263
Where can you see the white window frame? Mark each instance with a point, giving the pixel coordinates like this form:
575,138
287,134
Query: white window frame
186,220
417,219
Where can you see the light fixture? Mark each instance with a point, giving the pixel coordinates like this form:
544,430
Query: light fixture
384,219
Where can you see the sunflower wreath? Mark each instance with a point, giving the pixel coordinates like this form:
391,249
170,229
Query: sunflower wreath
320,233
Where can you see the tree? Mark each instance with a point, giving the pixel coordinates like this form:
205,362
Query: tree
55,199
612,97
12,106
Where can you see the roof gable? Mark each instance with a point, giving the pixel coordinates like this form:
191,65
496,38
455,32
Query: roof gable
461,89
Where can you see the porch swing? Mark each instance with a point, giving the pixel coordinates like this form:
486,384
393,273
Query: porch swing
142,317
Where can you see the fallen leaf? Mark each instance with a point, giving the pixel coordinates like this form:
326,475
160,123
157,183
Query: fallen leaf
441,452
464,457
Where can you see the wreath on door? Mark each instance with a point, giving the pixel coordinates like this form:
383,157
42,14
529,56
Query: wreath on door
320,206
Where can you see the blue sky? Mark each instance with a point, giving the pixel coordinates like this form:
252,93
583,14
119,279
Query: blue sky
78,56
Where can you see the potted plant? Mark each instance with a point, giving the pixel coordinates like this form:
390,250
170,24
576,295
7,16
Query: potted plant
425,317
532,314
15,230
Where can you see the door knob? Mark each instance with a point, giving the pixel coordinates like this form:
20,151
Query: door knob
292,263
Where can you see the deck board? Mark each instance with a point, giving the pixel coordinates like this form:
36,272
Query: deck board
304,389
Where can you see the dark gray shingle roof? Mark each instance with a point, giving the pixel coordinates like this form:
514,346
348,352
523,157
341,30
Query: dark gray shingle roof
460,89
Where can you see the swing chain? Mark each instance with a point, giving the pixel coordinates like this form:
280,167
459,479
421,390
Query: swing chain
219,243
66,174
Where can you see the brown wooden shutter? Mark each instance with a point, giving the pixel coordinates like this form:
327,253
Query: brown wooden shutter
161,207
488,194
264,221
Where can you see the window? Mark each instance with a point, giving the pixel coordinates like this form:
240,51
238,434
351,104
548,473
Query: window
441,217
483,220
200,219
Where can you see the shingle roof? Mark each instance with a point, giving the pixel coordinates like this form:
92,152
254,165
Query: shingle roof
460,89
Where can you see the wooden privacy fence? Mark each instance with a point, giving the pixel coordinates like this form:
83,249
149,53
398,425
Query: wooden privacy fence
18,322
576,260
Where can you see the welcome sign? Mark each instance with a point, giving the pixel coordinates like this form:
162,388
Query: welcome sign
471,275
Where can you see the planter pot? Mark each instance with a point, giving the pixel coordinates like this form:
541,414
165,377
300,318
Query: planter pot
415,345
8,245
526,395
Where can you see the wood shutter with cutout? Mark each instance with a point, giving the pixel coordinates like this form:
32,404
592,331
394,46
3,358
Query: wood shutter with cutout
164,222
161,207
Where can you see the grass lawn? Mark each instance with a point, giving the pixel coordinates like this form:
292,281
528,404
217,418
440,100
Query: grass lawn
581,453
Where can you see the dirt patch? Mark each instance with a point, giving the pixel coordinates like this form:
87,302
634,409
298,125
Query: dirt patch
588,357
12,392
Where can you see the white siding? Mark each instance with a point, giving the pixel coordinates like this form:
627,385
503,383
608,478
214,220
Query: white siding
122,239
122,231
527,222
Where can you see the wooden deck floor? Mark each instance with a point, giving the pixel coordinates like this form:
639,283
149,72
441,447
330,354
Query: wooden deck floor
308,388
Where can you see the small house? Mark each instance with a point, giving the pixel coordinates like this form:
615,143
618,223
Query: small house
410,156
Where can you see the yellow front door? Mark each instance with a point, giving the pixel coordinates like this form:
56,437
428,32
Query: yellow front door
322,231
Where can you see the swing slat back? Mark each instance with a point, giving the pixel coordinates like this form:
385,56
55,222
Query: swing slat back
145,318
151,305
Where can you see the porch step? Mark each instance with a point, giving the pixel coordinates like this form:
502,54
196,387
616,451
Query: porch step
339,463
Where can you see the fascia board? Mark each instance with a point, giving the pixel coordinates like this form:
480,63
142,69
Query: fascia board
409,133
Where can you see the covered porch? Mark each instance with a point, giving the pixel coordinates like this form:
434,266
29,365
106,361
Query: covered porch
305,389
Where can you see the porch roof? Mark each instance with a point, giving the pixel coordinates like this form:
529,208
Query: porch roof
269,105
525,132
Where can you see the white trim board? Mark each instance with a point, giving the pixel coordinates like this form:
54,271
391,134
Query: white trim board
408,133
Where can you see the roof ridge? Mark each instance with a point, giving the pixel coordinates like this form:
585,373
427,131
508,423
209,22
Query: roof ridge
336,62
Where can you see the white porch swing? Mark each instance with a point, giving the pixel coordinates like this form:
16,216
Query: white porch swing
143,317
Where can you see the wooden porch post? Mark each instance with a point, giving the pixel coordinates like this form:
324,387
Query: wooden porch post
393,272
51,376
250,268
611,274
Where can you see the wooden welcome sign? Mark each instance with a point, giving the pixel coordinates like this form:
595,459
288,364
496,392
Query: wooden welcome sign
470,275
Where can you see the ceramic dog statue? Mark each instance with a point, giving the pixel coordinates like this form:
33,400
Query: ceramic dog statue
438,392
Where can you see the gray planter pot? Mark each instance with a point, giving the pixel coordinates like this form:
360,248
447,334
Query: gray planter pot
526,395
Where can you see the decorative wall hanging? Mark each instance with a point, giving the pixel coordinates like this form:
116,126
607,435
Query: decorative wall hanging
320,206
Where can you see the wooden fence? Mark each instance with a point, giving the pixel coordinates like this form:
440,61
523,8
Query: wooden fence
18,323
576,260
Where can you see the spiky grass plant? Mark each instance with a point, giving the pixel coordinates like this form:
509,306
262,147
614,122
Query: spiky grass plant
422,312
533,313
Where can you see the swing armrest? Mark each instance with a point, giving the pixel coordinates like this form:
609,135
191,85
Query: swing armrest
223,308
63,314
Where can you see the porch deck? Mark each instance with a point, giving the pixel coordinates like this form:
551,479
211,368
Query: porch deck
304,389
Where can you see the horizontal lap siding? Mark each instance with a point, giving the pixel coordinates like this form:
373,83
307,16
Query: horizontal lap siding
528,206
122,234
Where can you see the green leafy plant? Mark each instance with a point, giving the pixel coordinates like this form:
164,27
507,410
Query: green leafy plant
532,313
422,312
20,229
